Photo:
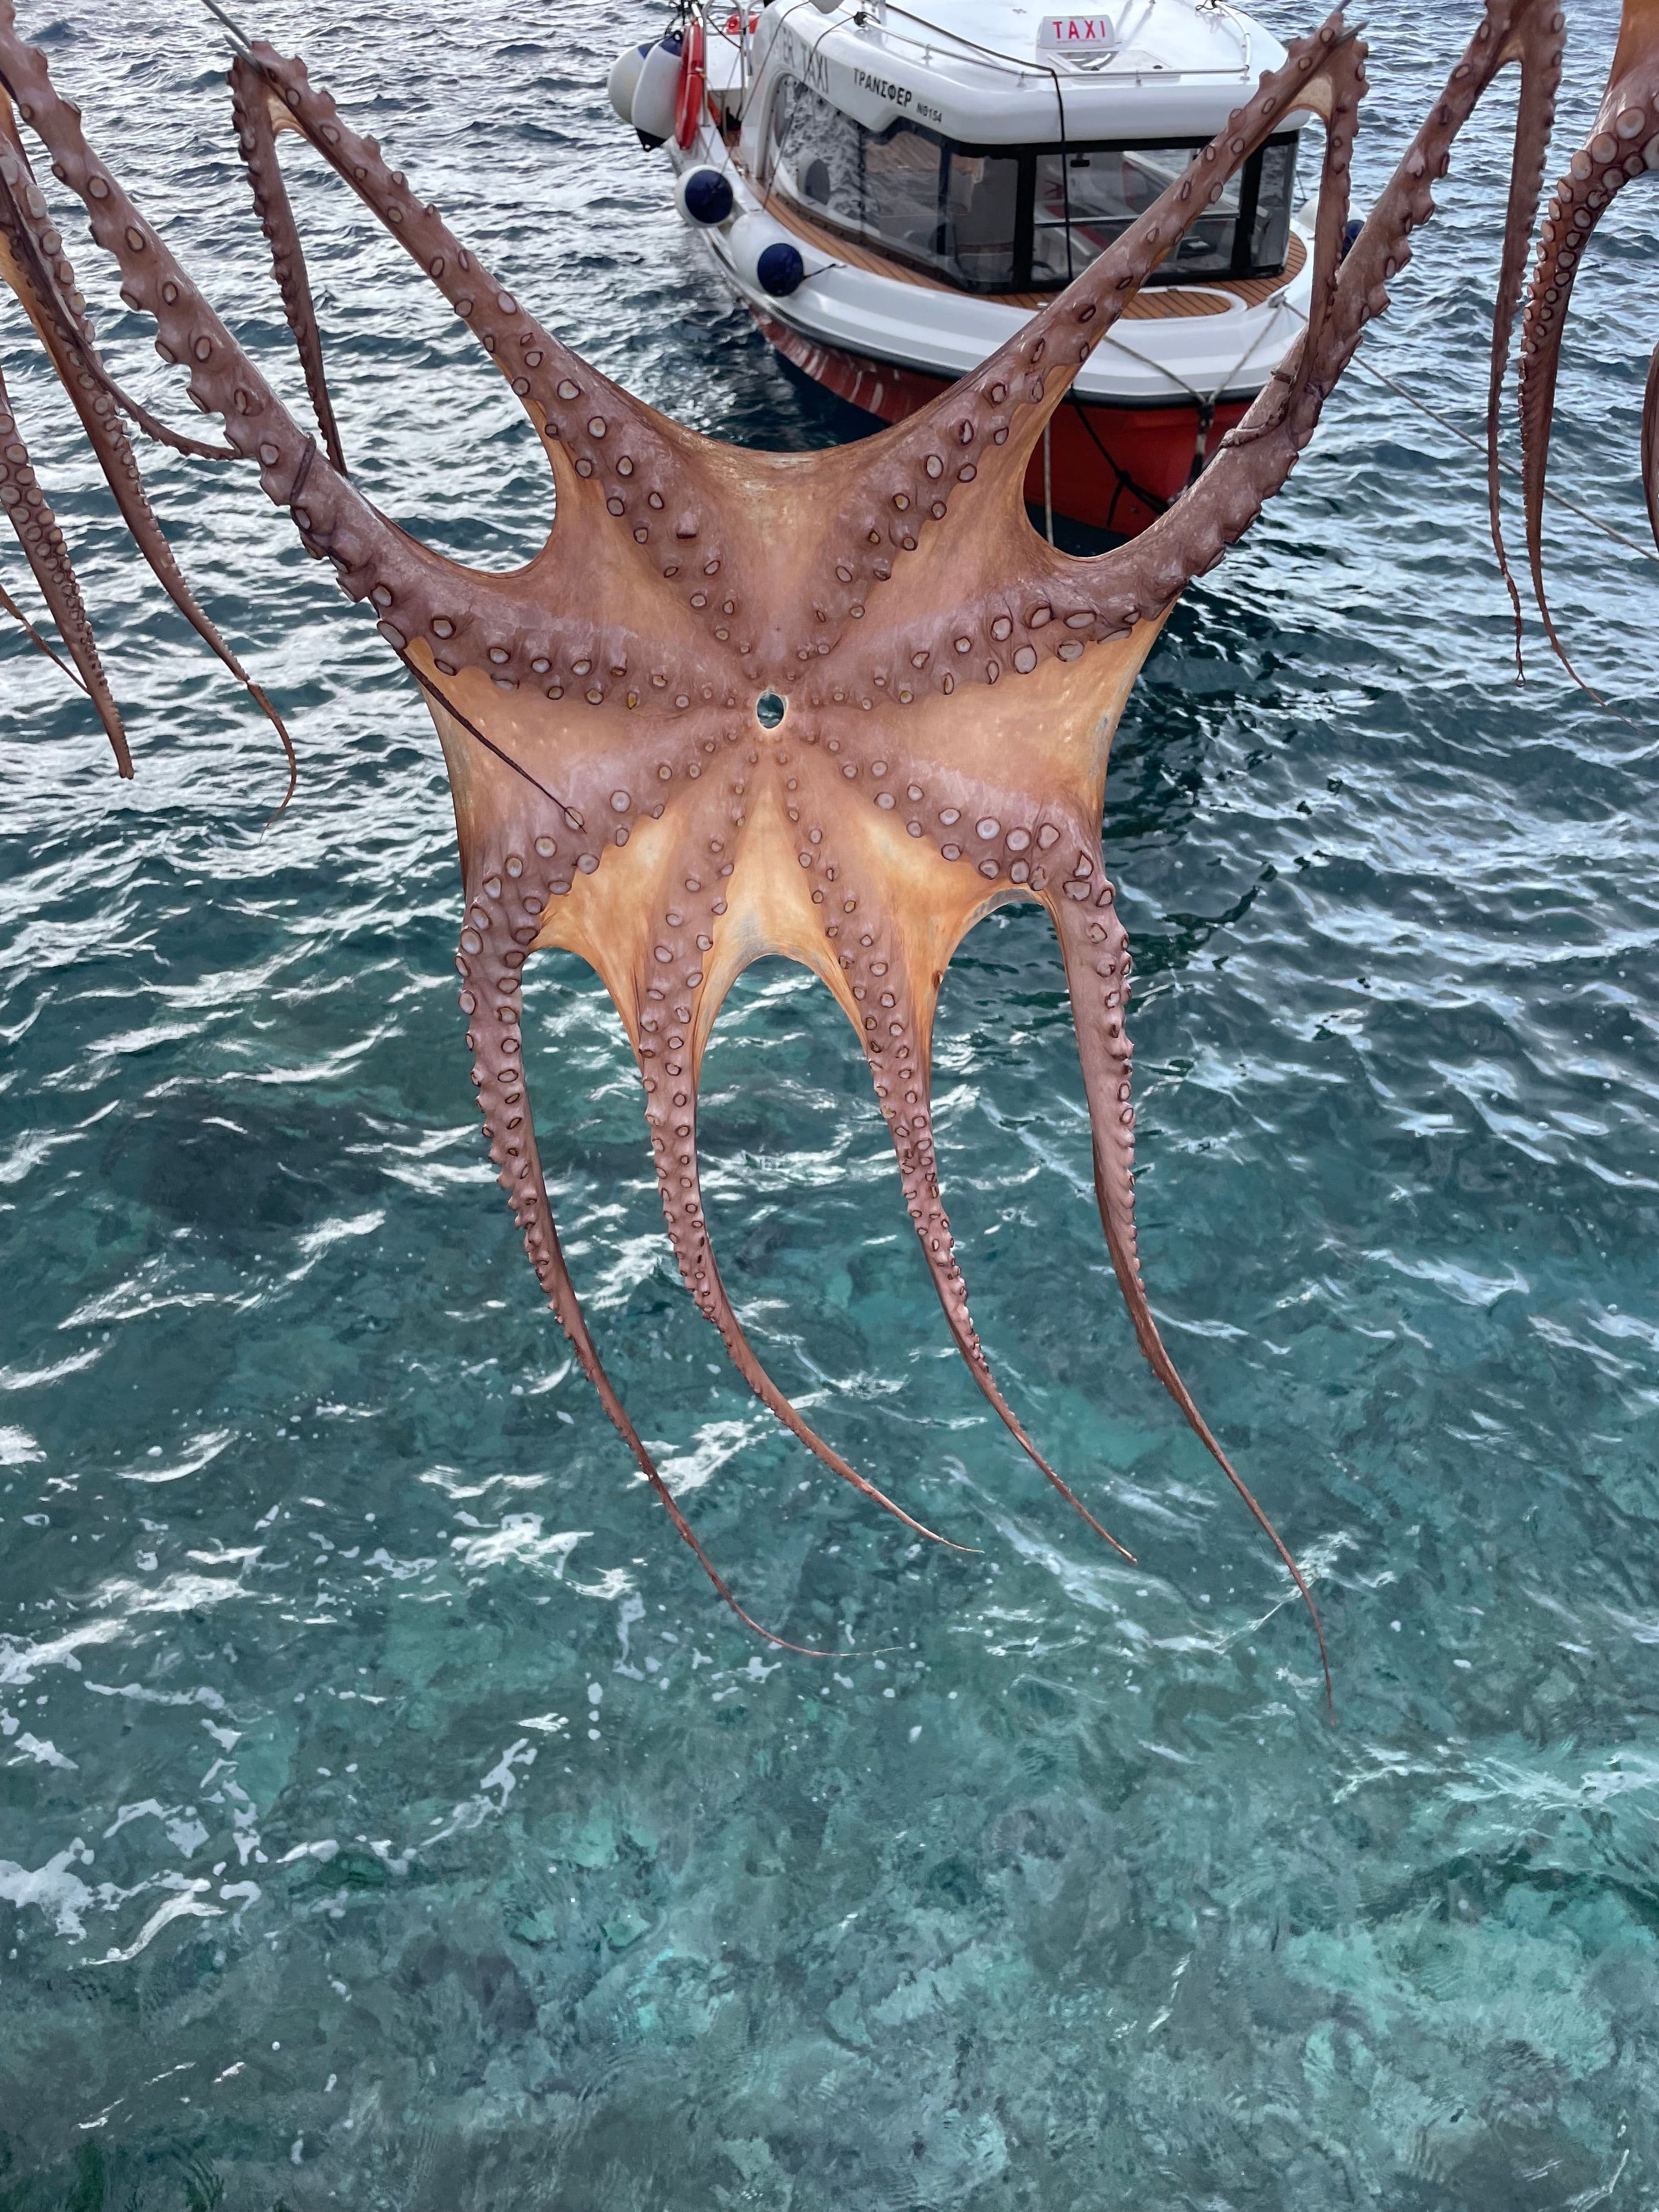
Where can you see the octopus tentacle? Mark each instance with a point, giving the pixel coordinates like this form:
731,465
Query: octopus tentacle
1651,444
1096,949
669,1008
1623,143
413,590
252,104
46,290
490,967
563,395
913,1143
1539,43
642,479
222,379
983,430
671,1114
40,270
1255,460
894,1020
627,478
1345,86
994,417
42,542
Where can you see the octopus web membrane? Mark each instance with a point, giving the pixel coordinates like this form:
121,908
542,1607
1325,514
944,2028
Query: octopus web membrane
386,1814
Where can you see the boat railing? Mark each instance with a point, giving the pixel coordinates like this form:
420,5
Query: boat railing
882,13
887,15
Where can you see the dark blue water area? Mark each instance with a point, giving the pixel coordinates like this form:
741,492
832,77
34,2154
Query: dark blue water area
389,1813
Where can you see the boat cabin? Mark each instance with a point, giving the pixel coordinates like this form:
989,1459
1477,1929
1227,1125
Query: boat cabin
918,143
890,193
1014,218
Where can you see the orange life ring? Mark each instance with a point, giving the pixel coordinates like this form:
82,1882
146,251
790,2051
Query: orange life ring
693,88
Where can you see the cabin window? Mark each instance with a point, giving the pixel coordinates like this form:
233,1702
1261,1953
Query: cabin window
1269,241
901,182
1104,189
1001,218
981,211
905,189
816,155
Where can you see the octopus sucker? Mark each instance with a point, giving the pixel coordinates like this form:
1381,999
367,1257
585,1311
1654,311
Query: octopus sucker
680,1183
1623,143
42,279
834,706
503,1093
1541,43
42,541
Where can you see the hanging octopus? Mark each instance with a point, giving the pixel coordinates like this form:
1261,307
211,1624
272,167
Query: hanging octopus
837,704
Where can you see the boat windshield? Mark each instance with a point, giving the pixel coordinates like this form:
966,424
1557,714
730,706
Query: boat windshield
1016,218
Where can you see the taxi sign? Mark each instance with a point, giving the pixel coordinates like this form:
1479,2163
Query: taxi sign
1075,33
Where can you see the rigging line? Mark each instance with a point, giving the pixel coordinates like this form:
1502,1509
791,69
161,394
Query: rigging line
1561,499
1276,306
489,744
1151,500
40,644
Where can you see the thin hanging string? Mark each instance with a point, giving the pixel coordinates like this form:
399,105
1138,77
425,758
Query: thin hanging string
9,605
1648,552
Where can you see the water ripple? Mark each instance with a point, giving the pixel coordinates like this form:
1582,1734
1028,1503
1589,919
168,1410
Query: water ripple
419,1832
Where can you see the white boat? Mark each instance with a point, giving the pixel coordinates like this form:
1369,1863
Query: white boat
890,195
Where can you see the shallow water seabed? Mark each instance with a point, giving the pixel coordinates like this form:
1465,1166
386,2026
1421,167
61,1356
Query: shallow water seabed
389,1814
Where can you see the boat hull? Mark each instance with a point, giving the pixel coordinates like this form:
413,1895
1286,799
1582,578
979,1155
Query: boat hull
1112,466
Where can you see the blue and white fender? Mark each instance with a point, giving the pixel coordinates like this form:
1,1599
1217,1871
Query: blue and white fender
765,257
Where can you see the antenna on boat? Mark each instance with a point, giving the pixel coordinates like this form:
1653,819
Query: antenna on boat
243,42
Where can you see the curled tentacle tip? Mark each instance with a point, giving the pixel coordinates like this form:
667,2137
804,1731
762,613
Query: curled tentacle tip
950,1543
1319,1632
776,1643
280,808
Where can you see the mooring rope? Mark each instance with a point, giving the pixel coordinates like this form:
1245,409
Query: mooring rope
1648,552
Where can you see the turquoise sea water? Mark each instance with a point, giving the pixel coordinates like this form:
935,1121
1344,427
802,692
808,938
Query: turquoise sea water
389,1816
